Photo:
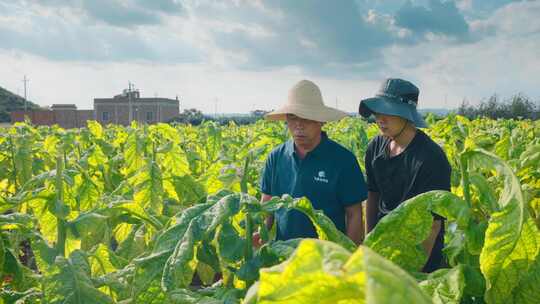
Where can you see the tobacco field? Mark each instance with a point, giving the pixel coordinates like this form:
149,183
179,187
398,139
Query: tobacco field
165,214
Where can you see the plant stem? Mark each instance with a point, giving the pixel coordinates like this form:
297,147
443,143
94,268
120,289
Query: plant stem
465,179
61,223
12,148
243,181
249,236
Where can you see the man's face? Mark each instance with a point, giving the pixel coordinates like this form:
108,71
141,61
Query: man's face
389,125
305,132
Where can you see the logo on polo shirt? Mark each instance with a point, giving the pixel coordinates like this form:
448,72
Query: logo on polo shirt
321,177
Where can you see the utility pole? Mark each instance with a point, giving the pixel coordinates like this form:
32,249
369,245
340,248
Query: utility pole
129,103
25,80
336,103
215,107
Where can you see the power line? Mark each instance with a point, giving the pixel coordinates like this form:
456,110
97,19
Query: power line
25,80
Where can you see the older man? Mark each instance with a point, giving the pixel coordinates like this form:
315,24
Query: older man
312,165
403,161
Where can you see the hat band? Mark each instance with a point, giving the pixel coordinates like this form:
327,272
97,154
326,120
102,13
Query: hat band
400,98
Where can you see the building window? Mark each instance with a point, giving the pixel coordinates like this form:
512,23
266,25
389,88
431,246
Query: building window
149,116
105,116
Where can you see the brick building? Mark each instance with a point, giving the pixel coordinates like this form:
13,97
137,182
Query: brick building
64,115
143,109
106,110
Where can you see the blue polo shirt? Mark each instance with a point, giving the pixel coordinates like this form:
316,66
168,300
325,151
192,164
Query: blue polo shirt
329,176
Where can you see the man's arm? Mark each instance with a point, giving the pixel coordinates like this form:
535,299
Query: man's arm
355,225
430,241
372,210
256,239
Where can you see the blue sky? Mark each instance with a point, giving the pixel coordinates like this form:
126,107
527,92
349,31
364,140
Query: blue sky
245,55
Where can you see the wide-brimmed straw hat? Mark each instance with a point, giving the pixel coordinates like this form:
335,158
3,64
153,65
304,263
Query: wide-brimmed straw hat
396,97
305,101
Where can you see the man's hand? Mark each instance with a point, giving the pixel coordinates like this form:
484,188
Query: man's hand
256,238
355,224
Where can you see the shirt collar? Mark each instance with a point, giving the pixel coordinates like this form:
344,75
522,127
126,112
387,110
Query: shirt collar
317,151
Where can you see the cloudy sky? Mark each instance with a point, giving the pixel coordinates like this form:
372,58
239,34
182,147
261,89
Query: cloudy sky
241,55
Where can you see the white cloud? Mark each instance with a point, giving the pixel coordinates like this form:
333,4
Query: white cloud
248,53
197,86
505,62
464,5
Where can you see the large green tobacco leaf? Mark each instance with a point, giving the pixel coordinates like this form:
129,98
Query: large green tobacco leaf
135,151
531,157
88,192
152,294
324,272
507,260
326,230
69,282
133,245
146,281
102,260
188,189
120,208
150,267
278,251
2,255
15,219
511,240
399,235
44,253
95,129
170,237
230,244
185,296
30,296
527,292
175,161
486,195
12,267
90,228
174,254
445,286
23,159
149,188
181,265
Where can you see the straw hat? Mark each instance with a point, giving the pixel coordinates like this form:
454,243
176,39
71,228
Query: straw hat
305,101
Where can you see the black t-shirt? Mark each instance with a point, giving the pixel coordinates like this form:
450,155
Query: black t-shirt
420,168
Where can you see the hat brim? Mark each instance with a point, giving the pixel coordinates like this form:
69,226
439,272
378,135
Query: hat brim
388,106
322,114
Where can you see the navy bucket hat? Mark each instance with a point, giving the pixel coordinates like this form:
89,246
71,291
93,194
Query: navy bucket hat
396,97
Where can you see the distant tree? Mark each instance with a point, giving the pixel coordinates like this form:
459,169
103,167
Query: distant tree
190,116
521,106
10,102
517,107
465,109
259,113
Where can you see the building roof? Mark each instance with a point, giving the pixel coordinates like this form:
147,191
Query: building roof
64,106
136,100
